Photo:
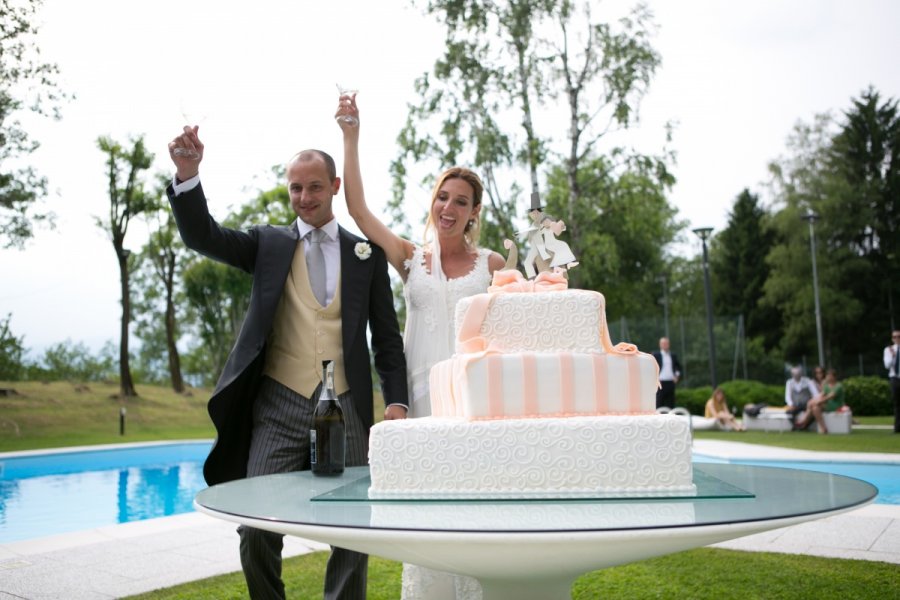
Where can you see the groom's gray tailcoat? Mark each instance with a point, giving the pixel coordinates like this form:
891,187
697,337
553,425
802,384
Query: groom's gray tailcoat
266,252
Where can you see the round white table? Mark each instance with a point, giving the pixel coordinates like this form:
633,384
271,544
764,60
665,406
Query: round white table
532,548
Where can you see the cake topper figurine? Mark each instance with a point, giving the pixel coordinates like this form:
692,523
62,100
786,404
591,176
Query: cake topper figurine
549,253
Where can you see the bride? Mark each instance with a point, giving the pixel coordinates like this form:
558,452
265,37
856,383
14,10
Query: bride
448,266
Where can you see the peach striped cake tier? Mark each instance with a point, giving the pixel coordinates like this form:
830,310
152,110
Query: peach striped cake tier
543,384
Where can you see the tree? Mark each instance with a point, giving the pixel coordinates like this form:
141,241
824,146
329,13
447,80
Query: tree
808,181
626,223
11,352
865,160
26,83
738,262
515,55
73,361
218,296
847,172
161,258
126,201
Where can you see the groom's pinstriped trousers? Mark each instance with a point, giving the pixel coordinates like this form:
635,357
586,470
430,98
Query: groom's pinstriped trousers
282,419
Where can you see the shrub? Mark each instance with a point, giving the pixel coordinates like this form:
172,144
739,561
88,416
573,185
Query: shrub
868,396
693,399
737,392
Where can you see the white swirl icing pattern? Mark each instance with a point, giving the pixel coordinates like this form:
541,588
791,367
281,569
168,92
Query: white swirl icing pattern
556,457
543,321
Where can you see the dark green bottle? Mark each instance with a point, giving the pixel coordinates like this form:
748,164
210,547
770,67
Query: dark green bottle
327,438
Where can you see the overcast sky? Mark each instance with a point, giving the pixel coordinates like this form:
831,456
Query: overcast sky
260,79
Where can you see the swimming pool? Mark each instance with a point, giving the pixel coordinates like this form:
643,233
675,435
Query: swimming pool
884,476
47,493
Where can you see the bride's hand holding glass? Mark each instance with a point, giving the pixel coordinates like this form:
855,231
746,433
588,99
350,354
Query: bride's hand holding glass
347,114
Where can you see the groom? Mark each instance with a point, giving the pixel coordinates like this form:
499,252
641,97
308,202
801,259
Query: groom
316,287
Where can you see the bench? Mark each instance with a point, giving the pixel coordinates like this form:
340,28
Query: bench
768,420
773,419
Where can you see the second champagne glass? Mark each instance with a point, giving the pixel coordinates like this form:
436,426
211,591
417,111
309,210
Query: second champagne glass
347,91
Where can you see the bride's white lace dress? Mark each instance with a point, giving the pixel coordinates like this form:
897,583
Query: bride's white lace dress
429,338
430,306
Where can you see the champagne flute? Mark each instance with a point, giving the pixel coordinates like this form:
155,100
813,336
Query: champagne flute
192,116
347,91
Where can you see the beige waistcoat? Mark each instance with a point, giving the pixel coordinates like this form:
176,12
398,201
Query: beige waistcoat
304,333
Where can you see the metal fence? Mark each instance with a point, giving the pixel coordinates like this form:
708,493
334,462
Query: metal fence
735,359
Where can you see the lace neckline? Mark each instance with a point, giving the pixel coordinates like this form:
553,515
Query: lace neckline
419,258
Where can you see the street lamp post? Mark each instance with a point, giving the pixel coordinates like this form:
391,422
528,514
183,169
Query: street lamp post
811,217
703,233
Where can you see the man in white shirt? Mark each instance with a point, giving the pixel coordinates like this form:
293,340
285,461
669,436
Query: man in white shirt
798,391
669,374
892,364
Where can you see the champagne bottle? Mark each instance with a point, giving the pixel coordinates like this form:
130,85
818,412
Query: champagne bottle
327,438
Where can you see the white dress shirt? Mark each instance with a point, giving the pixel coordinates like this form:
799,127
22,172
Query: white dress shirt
667,370
798,385
889,360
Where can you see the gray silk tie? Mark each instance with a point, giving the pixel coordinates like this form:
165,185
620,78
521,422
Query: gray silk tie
315,264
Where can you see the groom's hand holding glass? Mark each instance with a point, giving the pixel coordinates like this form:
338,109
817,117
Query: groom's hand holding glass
186,151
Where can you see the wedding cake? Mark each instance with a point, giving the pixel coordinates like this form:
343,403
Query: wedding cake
536,402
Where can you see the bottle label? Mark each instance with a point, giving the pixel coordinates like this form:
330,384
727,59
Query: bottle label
312,447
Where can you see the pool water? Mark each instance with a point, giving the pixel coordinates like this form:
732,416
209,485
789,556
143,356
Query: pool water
884,476
47,494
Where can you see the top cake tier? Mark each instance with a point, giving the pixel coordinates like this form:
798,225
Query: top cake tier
569,321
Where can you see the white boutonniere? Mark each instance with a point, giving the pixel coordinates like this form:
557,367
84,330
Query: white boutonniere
363,250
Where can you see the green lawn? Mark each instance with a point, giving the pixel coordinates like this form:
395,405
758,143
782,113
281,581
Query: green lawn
59,414
702,574
859,440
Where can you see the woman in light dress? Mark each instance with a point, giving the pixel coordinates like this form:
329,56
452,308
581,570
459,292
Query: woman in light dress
717,408
448,266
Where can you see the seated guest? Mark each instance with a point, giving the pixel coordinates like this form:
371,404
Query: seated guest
717,408
818,377
798,391
831,399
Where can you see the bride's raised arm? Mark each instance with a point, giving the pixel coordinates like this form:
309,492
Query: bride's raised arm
396,249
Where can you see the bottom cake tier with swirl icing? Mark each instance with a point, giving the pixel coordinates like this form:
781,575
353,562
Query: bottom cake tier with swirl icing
601,456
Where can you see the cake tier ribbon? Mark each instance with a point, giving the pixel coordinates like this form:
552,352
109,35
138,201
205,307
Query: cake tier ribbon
508,281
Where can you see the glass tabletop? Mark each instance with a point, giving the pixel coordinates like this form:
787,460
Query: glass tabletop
771,493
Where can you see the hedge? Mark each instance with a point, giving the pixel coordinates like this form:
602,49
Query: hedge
866,396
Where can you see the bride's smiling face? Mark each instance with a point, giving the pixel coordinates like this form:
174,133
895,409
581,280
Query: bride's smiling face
453,208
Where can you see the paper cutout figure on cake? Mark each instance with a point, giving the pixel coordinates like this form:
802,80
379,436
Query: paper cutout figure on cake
544,249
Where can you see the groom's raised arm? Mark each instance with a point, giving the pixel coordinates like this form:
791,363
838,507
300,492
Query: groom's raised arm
198,229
